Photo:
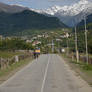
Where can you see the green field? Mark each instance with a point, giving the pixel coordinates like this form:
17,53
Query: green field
7,54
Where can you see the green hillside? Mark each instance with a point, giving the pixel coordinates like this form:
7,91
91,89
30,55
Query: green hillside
27,20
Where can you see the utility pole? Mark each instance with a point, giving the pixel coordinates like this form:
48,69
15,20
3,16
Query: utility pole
58,46
52,46
86,37
67,35
76,45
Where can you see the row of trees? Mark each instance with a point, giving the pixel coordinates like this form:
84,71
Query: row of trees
14,44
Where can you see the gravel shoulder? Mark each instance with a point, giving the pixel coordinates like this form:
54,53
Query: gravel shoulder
84,74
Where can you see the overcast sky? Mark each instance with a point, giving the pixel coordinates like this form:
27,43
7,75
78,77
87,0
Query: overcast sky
40,4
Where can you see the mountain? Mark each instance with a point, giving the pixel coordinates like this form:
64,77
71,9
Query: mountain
27,20
88,22
71,10
69,14
11,8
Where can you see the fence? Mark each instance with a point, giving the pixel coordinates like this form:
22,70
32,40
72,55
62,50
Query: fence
81,58
4,63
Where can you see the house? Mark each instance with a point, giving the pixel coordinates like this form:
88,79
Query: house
29,41
36,43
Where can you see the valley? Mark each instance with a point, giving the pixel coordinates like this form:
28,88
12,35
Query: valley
58,41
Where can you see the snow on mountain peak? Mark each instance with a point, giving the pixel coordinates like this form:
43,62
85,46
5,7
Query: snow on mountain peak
71,10
67,14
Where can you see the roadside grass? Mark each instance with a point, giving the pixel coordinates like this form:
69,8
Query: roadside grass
81,64
11,70
84,70
7,54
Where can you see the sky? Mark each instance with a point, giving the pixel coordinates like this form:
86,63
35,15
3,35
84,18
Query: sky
40,4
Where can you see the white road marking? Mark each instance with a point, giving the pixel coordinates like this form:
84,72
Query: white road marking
43,83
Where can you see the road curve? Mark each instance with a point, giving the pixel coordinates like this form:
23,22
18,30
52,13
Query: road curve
48,73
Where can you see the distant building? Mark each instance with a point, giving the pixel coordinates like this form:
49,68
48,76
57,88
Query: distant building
39,36
46,36
36,43
64,36
58,39
34,38
29,41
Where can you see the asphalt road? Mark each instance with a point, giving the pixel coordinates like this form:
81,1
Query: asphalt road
49,73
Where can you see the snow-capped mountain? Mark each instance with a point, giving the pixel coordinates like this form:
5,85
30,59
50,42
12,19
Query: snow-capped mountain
71,10
70,13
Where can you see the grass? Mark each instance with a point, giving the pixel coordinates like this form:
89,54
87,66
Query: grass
81,64
8,72
7,54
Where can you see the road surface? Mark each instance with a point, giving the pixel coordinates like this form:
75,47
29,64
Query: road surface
49,73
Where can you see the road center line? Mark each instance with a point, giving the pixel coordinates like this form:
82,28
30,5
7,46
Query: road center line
43,83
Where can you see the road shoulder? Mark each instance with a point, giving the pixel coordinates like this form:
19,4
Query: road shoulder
82,84
11,70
